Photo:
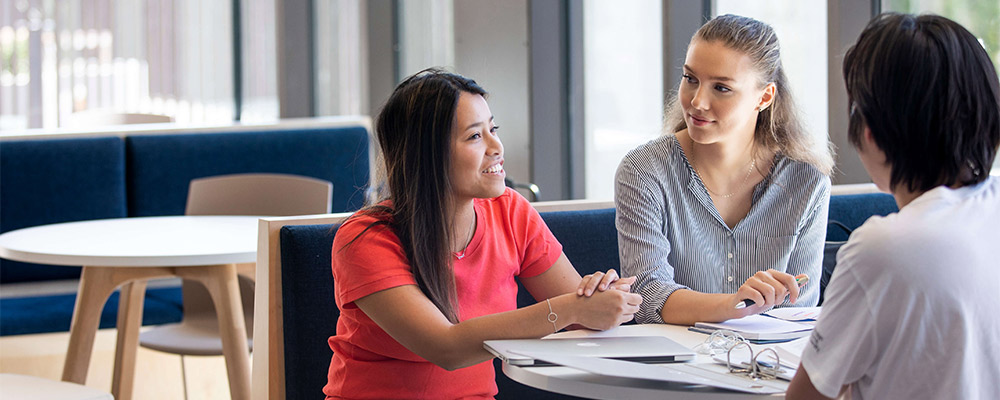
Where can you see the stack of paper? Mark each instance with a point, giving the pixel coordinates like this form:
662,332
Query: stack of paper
797,314
758,328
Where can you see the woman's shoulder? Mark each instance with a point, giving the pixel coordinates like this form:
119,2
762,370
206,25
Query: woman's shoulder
657,149
799,173
655,157
373,220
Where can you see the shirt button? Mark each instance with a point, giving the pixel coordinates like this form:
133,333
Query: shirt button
730,255
730,279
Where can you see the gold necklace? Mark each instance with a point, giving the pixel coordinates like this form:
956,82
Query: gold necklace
753,163
472,230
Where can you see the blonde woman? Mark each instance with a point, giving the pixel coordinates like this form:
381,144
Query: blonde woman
731,203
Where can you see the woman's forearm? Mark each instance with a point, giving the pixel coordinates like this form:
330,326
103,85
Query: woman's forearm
685,307
406,315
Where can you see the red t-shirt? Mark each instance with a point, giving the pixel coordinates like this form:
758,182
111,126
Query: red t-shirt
510,240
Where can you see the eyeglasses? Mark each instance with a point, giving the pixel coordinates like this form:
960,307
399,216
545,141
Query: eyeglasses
719,341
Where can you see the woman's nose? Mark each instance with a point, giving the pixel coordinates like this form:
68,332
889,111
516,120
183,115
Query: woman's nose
495,146
699,100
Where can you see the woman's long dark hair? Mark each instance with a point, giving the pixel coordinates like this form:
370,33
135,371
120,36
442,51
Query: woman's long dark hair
414,132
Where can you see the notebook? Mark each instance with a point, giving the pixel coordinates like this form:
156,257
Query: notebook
647,349
758,328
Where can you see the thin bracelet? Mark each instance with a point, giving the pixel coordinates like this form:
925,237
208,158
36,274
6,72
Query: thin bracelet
552,317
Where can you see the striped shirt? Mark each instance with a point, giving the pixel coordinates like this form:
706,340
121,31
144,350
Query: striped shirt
671,236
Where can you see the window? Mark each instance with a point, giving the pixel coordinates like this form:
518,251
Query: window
623,85
64,57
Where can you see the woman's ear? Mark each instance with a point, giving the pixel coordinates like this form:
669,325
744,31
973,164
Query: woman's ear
767,98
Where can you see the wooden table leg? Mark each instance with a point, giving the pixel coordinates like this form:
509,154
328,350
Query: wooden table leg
222,284
96,286
129,319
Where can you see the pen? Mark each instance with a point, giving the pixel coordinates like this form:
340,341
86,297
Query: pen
801,281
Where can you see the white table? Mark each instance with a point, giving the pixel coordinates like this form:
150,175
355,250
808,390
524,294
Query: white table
574,382
129,251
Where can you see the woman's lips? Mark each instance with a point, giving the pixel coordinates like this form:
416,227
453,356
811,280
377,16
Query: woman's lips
698,121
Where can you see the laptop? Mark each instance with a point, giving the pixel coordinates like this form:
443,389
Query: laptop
645,349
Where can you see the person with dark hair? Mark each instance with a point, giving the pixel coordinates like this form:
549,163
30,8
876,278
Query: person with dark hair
427,273
731,202
910,312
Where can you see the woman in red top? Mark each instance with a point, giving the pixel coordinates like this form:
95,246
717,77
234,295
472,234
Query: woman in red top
427,274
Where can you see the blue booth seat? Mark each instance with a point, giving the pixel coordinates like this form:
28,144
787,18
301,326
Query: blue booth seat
45,181
311,313
53,313
160,167
58,180
852,210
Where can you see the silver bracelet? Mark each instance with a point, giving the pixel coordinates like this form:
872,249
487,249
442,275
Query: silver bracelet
552,317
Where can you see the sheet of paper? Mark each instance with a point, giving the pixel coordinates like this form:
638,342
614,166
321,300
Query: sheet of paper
792,351
678,373
795,313
757,324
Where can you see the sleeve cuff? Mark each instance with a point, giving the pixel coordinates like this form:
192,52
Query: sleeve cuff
654,294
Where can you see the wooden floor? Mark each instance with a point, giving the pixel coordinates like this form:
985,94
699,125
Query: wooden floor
158,375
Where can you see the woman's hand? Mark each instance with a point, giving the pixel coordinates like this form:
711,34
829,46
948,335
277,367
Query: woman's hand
604,310
766,289
601,281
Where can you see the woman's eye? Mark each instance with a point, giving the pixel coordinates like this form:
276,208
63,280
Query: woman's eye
494,129
723,89
475,136
689,78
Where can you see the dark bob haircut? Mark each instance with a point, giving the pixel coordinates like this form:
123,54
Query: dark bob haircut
928,91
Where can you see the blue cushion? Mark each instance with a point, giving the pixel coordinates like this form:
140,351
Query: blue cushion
160,167
41,314
853,210
589,239
58,180
310,311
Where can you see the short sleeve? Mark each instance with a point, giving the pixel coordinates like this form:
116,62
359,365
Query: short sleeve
539,248
365,262
844,344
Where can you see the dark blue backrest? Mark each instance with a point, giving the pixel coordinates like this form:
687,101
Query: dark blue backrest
160,167
309,310
589,239
853,210
58,180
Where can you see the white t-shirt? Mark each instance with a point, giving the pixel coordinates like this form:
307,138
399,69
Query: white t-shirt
913,308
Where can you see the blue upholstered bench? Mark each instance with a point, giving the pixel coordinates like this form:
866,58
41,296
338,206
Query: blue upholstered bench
311,313
48,181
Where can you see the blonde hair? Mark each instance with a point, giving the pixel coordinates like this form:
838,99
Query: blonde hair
779,127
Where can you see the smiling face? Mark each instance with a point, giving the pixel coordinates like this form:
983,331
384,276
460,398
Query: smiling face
720,93
476,151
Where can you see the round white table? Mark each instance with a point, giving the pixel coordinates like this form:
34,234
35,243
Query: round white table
128,252
574,382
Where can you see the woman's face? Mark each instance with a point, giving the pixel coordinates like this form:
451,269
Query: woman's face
720,92
476,151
